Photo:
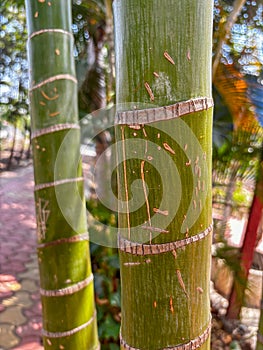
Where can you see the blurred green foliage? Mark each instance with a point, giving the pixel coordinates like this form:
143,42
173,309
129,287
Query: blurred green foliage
106,270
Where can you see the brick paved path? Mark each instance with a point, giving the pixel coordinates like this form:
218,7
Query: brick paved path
20,307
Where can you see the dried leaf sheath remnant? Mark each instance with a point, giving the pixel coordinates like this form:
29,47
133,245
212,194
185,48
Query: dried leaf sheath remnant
73,239
152,249
191,345
68,290
50,30
58,182
69,332
150,115
53,128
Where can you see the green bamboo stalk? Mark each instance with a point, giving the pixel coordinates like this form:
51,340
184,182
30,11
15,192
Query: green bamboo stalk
163,58
69,318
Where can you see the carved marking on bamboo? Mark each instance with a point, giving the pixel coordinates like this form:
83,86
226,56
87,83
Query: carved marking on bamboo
168,57
181,282
42,217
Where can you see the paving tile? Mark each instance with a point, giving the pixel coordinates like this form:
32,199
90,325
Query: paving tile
13,285
31,328
32,342
3,259
22,257
35,296
31,272
13,266
13,315
7,278
5,293
8,339
34,312
29,285
21,298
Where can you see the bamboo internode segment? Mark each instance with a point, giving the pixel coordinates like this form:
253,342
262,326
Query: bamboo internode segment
54,128
57,183
73,239
50,30
71,331
52,79
153,249
68,290
191,345
151,115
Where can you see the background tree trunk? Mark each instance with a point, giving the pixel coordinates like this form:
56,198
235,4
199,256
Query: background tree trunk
69,318
236,298
260,328
163,71
12,150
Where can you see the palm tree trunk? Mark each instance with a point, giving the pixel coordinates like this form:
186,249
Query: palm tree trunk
163,133
69,318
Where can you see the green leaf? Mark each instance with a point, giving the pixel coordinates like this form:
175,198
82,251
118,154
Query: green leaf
115,299
110,328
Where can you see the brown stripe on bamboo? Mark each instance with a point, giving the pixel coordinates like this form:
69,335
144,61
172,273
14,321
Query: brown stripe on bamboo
57,183
67,290
54,128
136,248
151,115
52,79
74,239
191,345
70,332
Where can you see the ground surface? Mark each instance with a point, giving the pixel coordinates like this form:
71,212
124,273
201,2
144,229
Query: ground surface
20,307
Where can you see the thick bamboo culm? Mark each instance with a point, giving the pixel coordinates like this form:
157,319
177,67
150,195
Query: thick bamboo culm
163,134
